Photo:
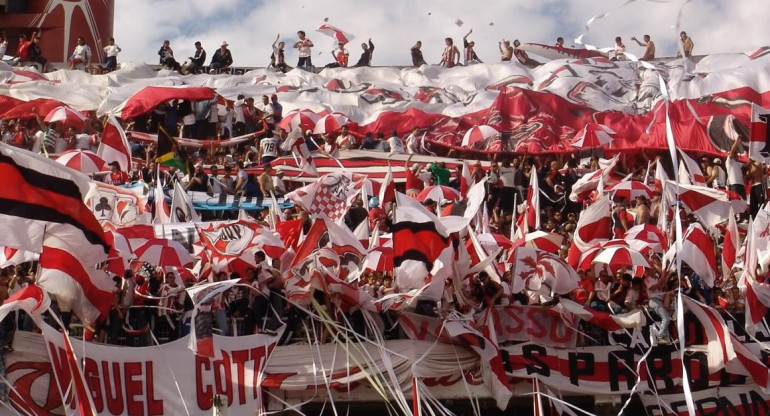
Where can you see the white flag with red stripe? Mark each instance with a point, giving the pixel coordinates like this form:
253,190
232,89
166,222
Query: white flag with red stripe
710,206
114,146
660,176
530,218
757,294
699,253
182,209
608,322
162,211
387,189
730,247
32,299
719,342
12,256
78,287
696,174
466,180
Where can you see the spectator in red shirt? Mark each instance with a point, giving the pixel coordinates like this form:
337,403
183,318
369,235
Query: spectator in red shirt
23,50
377,216
413,182
117,176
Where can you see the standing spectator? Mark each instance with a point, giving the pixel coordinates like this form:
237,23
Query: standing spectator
620,50
506,51
520,54
268,149
412,142
346,141
416,51
166,55
304,46
168,322
277,109
734,172
268,112
649,45
111,55
222,58
451,55
265,181
36,54
366,55
413,183
278,57
470,54
377,216
197,60
239,115
440,173
758,192
279,187
686,45
81,54
117,176
395,144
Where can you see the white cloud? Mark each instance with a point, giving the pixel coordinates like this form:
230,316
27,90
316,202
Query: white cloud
250,26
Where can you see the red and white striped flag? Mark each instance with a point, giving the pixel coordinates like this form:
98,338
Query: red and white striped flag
295,143
114,146
13,256
530,218
32,299
699,253
78,287
696,174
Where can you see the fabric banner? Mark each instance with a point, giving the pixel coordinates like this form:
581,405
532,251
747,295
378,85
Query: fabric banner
741,400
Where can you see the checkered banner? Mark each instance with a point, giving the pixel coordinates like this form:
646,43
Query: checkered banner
330,196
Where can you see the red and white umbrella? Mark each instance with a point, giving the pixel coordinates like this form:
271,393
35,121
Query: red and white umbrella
630,190
479,134
299,119
164,253
649,234
619,256
593,135
439,193
549,242
66,116
380,259
83,161
330,123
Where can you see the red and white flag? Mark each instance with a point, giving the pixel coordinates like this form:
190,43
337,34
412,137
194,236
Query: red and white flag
162,211
607,321
759,137
13,256
699,253
593,227
32,299
757,294
295,143
710,206
719,342
466,180
78,287
40,198
338,35
114,146
330,196
696,174
118,206
530,218
387,189
660,176
730,246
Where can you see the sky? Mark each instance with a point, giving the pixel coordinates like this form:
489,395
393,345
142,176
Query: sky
250,26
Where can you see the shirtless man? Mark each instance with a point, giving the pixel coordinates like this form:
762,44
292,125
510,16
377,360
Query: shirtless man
641,210
506,51
757,194
687,45
649,53
470,53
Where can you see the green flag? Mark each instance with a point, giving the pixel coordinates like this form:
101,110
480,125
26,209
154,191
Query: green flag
167,151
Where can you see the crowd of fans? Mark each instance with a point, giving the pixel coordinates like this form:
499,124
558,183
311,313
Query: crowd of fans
29,53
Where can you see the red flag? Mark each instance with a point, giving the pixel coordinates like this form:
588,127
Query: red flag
466,180
699,253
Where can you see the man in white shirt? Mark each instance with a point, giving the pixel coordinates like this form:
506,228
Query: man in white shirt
620,50
81,54
346,141
395,144
412,142
304,46
735,172
111,55
268,112
268,149
240,119
279,187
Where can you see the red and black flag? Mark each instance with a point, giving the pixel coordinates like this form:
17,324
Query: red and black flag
418,240
41,199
